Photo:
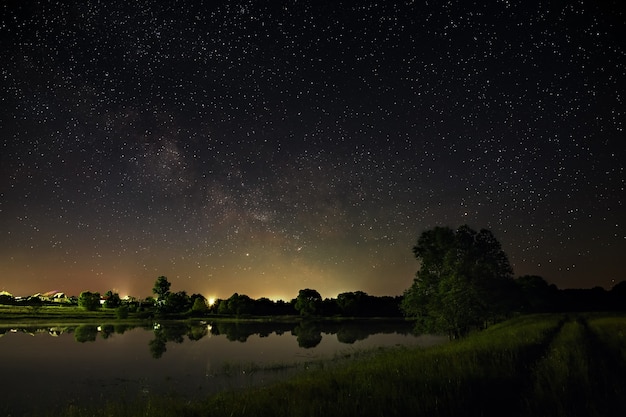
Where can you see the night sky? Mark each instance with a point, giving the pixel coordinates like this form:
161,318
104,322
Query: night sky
263,147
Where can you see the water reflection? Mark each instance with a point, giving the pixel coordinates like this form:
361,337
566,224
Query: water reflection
183,358
86,333
175,332
308,333
241,331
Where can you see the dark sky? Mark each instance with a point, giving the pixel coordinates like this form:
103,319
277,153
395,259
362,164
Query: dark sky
263,147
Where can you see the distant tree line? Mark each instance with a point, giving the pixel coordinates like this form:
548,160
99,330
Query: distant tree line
464,282
537,296
309,303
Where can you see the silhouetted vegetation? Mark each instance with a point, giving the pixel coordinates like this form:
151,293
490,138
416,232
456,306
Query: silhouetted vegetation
111,299
537,296
89,300
465,281
308,302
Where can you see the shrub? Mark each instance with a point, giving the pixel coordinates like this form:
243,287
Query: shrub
121,312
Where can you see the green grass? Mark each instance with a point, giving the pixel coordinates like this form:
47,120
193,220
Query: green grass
51,311
544,365
62,315
582,372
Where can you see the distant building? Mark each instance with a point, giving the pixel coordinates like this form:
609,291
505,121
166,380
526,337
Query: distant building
6,297
52,296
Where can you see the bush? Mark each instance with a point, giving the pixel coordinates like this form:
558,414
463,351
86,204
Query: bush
199,306
121,312
90,301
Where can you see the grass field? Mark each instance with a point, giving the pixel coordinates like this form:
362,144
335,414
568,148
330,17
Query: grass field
47,312
544,365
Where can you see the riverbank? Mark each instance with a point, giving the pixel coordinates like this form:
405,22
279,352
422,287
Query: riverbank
11,314
48,314
554,365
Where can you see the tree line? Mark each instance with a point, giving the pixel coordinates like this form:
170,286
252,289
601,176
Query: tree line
464,282
308,303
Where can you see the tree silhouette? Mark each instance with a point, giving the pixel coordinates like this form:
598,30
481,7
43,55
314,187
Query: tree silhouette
308,302
89,300
111,299
161,287
465,280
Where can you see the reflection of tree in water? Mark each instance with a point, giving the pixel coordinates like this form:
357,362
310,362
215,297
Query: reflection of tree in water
82,333
197,332
86,333
240,331
173,332
352,331
350,334
308,334
158,345
122,328
235,332
107,330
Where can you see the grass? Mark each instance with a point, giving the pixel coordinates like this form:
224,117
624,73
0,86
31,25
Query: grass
530,366
48,312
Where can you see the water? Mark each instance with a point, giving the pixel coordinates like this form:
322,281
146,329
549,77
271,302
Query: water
52,366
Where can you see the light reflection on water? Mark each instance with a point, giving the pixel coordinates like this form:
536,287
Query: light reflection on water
47,366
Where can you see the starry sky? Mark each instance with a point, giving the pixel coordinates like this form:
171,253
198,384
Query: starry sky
263,147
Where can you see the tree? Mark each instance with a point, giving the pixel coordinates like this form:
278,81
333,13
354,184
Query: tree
121,312
111,299
617,296
161,287
237,304
308,302
177,302
351,303
88,300
464,281
536,295
199,306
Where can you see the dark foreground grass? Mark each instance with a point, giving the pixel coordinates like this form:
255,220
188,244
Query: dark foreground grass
530,366
475,376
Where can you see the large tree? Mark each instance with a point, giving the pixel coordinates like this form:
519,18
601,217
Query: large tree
112,299
89,300
308,302
178,302
464,281
161,288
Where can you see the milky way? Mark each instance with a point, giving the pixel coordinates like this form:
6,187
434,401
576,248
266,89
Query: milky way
265,147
